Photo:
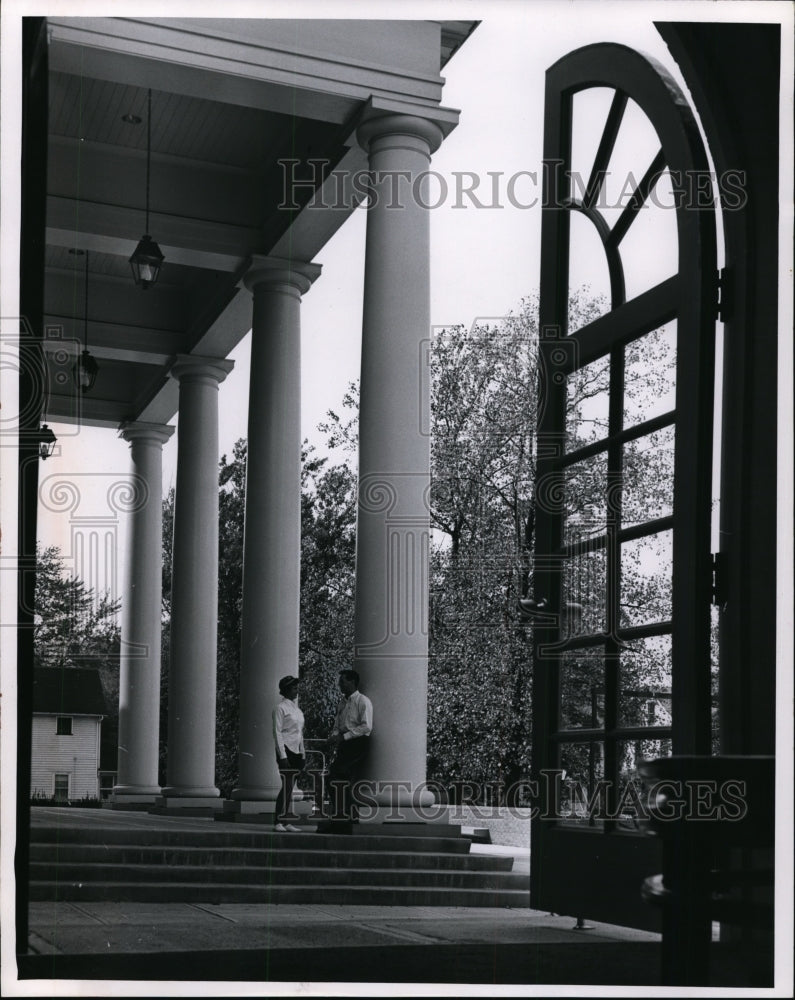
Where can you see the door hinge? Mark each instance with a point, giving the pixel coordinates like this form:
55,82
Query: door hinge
719,579
723,298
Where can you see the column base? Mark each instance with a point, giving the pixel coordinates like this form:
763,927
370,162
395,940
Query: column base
122,789
259,811
400,814
268,793
186,805
132,801
379,794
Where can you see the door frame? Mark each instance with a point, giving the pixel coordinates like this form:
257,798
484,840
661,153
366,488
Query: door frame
596,872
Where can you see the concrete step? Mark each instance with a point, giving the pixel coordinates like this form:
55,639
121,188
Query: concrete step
477,834
421,865
361,895
280,876
153,854
392,829
233,836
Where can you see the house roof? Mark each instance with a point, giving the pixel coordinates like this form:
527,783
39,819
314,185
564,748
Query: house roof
68,691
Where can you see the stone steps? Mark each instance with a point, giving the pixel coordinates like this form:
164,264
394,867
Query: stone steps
93,872
133,854
237,837
386,865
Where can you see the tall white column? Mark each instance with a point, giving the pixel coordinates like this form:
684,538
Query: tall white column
391,618
190,768
139,675
272,539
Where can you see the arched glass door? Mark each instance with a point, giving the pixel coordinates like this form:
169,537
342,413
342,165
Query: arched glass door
623,566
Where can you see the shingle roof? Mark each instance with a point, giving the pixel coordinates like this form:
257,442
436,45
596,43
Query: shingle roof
68,691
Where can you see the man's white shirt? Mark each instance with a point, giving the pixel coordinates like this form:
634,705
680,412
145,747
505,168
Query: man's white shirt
354,716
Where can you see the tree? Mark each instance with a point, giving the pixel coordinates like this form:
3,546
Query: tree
72,626
328,542
484,496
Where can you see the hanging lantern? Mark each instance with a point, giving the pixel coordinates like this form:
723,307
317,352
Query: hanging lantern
85,369
147,259
146,262
46,442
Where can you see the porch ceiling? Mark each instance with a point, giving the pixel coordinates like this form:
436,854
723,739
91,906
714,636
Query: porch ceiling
214,193
230,99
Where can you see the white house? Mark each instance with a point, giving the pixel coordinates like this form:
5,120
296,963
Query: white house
68,708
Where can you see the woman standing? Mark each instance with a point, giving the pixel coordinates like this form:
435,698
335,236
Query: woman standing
288,735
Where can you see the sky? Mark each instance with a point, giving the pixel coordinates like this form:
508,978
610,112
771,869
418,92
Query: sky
484,250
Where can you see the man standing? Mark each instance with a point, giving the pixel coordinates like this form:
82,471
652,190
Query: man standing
350,738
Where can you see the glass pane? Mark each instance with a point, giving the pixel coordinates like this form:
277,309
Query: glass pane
583,798
589,117
585,502
650,375
587,404
715,679
589,277
650,250
582,692
648,477
583,597
645,680
588,298
589,281
636,146
646,580
633,792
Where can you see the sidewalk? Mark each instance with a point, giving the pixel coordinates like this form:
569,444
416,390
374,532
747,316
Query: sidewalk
330,944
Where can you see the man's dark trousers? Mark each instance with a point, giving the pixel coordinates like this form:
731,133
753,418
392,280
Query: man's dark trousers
343,772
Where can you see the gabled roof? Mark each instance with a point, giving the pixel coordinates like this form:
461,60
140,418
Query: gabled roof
68,691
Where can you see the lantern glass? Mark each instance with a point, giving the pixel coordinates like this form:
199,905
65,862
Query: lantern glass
46,442
145,262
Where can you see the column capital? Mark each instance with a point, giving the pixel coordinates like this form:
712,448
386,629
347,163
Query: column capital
193,368
139,430
383,125
296,275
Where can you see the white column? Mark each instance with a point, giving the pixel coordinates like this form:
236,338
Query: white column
139,674
190,766
391,619
272,539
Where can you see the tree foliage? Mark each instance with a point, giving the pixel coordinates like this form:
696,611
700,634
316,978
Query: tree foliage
485,401
73,627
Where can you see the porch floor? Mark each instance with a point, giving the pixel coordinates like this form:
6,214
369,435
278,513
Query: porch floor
330,944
